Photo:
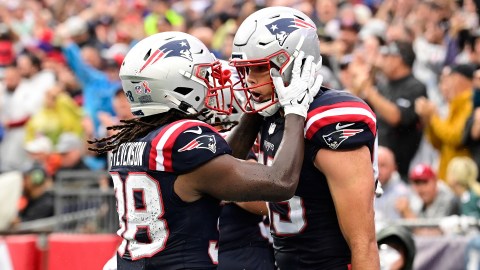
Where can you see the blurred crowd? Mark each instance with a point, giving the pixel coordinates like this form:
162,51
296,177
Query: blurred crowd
415,62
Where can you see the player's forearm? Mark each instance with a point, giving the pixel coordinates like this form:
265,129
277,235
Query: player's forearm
289,158
359,232
243,136
365,255
258,207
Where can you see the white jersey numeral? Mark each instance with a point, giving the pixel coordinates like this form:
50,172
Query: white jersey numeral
147,217
213,251
295,220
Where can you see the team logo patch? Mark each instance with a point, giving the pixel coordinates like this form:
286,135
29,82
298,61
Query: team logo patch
334,139
201,142
282,28
138,89
174,48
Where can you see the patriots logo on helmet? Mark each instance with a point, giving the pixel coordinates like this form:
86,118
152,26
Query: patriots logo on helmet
178,48
282,28
203,142
334,139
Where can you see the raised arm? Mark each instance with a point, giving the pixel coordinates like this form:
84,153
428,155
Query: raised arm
233,179
243,135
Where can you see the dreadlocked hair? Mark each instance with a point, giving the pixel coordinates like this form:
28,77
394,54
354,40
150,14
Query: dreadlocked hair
131,129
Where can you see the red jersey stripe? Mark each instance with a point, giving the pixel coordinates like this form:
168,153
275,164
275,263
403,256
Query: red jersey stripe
162,144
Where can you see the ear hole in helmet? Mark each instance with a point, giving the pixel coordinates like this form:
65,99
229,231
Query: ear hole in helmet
183,90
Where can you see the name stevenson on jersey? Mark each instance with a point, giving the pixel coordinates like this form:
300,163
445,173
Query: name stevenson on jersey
129,154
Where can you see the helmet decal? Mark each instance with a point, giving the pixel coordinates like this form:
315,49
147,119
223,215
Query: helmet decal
146,87
282,28
179,48
143,88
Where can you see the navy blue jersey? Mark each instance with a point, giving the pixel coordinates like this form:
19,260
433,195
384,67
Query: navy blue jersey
305,229
240,228
154,222
242,232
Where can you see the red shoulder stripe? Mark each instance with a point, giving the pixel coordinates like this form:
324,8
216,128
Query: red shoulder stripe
162,145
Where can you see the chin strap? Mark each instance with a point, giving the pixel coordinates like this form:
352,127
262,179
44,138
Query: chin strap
270,110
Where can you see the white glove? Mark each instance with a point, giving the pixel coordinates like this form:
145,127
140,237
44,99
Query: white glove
297,96
316,80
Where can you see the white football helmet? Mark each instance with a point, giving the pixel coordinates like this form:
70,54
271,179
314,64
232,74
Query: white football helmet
174,70
271,37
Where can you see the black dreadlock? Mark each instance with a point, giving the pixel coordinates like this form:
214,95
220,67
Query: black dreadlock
139,127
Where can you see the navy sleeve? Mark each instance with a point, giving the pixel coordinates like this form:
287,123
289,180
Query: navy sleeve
340,122
184,145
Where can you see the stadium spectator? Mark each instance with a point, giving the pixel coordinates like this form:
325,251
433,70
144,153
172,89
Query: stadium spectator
71,148
396,245
37,190
430,51
69,82
462,174
393,102
99,79
30,67
11,186
58,114
431,199
471,135
40,150
393,187
162,18
17,106
446,133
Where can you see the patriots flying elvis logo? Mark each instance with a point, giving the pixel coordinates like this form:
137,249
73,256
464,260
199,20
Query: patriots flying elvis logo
282,28
178,48
201,142
334,139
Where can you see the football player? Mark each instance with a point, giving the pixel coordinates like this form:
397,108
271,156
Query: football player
170,169
329,222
